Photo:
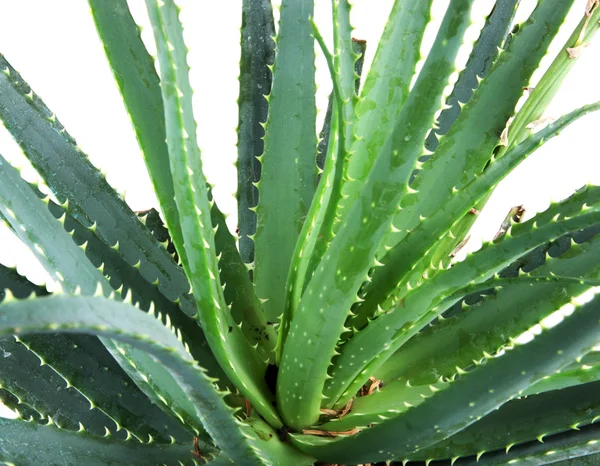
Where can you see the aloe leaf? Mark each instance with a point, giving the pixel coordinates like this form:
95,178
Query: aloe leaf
494,35
76,368
478,393
24,211
138,82
343,63
573,448
383,403
536,104
542,94
331,291
239,294
68,265
129,326
403,259
134,72
130,284
289,172
584,371
374,345
151,218
63,446
240,361
385,91
359,47
485,51
258,53
317,230
56,157
520,421
49,394
450,343
464,152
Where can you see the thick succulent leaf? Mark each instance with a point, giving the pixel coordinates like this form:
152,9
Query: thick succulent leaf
239,294
520,421
494,35
385,91
342,69
583,371
373,345
126,324
331,291
79,380
42,233
544,91
317,230
130,284
360,48
136,76
487,324
288,177
60,446
536,104
411,256
485,51
573,448
464,152
240,361
383,403
477,393
70,175
258,53
134,72
68,265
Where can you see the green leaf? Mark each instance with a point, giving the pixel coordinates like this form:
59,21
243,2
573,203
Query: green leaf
520,421
416,304
42,233
317,230
134,72
288,178
240,361
574,448
62,446
320,317
536,104
485,51
477,393
545,90
130,327
258,54
67,264
77,373
359,47
488,322
463,153
385,91
56,157
409,252
130,284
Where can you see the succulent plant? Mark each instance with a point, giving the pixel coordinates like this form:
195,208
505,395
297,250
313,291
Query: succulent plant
339,329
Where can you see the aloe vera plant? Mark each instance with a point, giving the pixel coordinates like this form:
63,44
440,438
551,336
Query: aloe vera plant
337,329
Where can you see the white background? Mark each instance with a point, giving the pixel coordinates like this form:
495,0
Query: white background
54,45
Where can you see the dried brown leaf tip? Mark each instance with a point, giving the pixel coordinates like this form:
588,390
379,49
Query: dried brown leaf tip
504,135
575,52
327,433
591,6
540,122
